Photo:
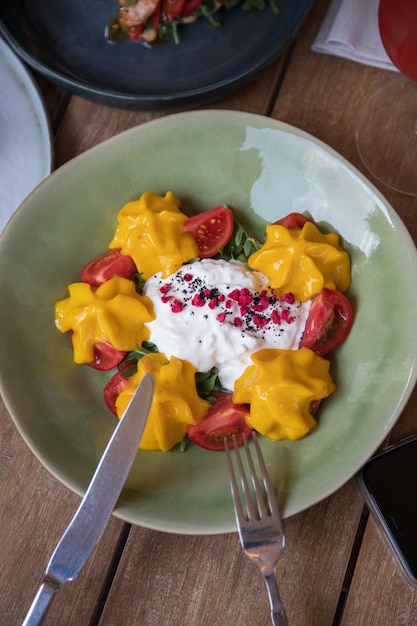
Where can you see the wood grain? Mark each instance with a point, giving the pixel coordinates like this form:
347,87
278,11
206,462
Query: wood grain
324,95
379,594
34,513
167,579
336,568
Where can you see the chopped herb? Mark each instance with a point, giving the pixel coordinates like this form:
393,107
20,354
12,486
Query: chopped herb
170,29
240,246
134,356
208,384
184,443
139,282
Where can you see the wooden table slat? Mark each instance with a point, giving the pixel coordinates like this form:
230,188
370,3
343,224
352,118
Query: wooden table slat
336,569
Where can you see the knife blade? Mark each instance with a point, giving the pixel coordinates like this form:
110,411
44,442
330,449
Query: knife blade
90,520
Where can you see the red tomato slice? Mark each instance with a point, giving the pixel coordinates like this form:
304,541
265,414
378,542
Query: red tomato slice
190,6
156,16
172,8
293,220
135,32
224,419
106,357
211,230
329,322
106,265
314,406
114,387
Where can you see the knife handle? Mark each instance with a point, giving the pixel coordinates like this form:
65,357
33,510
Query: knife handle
41,603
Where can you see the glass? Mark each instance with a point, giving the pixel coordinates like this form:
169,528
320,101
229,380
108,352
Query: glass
388,121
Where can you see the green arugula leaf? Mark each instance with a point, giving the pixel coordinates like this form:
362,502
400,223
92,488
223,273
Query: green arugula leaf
240,246
185,443
139,282
208,384
169,29
134,356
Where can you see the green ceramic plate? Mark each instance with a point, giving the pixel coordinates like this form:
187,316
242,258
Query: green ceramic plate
264,169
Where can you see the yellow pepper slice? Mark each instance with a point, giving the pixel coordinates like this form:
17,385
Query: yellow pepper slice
302,261
150,230
112,313
280,386
175,404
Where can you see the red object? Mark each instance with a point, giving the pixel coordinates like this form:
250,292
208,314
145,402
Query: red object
293,220
314,406
211,230
224,419
106,357
156,17
329,322
106,265
135,32
398,28
172,8
190,6
114,387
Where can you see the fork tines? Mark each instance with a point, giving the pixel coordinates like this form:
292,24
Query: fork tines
263,493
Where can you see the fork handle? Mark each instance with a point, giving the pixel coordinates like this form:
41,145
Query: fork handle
278,616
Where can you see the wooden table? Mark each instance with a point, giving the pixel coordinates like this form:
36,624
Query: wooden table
337,568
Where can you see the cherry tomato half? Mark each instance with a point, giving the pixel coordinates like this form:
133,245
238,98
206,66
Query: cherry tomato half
329,322
106,357
211,230
224,419
103,267
293,220
114,387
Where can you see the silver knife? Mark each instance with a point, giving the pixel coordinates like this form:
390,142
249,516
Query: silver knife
90,520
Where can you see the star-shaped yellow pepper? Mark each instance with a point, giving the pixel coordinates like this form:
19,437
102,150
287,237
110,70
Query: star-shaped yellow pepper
175,404
302,261
150,230
280,387
113,313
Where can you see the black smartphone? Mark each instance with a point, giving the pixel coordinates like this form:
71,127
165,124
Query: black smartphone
389,484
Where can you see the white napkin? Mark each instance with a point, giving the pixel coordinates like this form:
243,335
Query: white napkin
350,30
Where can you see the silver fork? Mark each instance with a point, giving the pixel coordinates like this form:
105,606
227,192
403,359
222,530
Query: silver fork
259,524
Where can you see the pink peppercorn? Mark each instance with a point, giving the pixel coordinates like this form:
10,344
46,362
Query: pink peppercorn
288,297
221,317
275,317
238,322
264,302
245,297
188,277
234,295
286,317
197,300
165,288
259,321
176,306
